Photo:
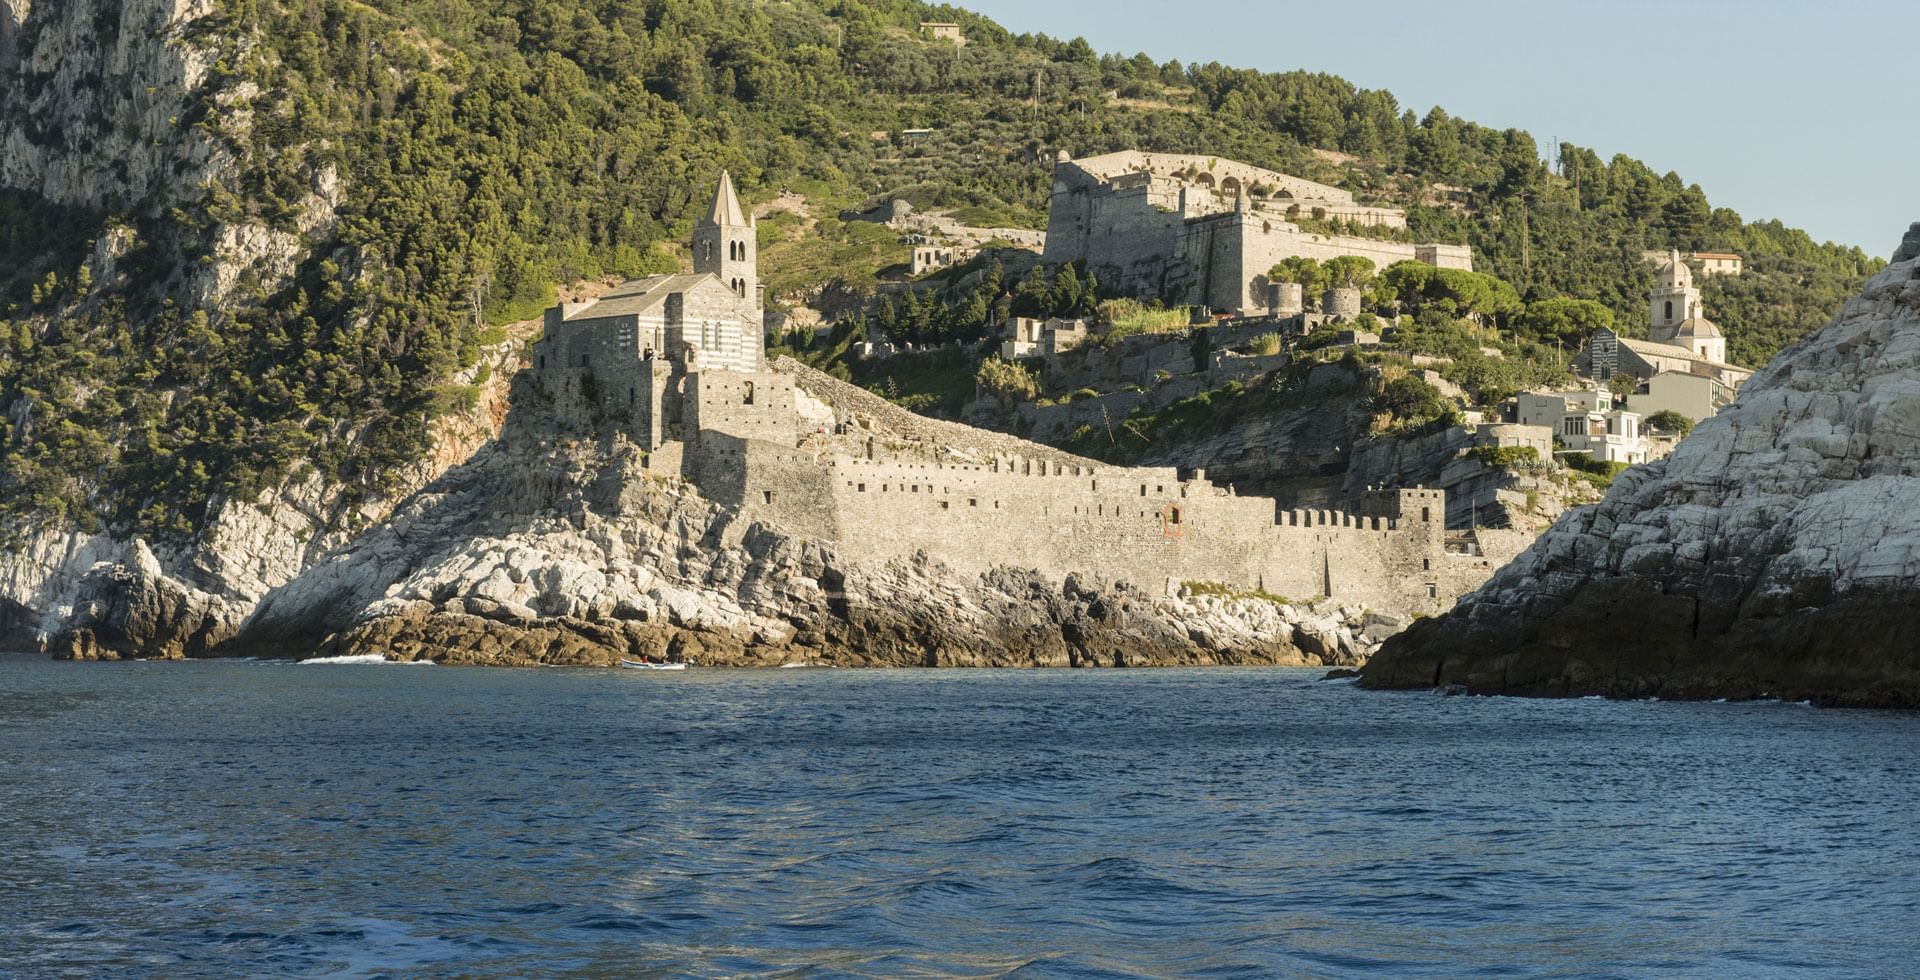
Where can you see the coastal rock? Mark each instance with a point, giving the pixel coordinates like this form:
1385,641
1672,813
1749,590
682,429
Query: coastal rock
1776,553
545,550
134,610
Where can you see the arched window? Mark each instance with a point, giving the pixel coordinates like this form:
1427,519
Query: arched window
1669,309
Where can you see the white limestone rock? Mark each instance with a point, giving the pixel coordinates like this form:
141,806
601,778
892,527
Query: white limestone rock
1776,552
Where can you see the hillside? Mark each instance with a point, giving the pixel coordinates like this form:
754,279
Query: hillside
256,254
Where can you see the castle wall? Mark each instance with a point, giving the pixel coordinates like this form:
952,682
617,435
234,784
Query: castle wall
1143,525
1151,233
748,405
787,486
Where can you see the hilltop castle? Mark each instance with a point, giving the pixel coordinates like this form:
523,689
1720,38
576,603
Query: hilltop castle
1203,230
677,364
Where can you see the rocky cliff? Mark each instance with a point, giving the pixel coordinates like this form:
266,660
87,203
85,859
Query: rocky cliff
1776,553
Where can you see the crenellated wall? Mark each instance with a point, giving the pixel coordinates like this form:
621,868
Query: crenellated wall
1145,525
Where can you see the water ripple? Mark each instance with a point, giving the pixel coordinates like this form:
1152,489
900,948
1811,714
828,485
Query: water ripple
236,818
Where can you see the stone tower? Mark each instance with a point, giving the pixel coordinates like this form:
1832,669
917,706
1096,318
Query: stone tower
724,244
1674,298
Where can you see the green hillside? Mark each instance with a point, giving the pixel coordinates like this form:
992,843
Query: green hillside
491,149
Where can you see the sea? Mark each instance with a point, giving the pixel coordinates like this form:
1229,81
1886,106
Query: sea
237,818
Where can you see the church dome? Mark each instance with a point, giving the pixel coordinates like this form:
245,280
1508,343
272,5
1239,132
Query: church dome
1674,273
1697,327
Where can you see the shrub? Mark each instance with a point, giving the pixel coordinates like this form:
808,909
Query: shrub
1506,457
1006,381
1668,420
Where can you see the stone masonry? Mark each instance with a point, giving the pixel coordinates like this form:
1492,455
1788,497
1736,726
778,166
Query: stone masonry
1205,231
829,462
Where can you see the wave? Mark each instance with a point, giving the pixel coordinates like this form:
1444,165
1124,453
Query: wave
363,658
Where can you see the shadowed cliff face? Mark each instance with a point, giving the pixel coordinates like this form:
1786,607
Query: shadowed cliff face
1776,553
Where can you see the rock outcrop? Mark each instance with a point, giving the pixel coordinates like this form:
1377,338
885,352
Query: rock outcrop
94,596
1776,553
549,550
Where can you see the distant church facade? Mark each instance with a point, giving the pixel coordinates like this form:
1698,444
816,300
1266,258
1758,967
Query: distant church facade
1682,365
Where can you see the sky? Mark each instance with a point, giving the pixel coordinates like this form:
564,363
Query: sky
1799,110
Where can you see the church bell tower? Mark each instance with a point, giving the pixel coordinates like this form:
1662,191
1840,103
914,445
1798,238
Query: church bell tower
1674,298
724,244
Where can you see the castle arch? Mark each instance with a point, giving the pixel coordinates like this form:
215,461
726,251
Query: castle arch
1204,180
1230,186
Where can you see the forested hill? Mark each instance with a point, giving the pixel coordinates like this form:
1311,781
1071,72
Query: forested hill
297,225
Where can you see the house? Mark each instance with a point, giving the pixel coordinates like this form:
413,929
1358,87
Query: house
1586,421
943,31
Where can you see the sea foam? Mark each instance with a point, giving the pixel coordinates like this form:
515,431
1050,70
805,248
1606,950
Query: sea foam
363,658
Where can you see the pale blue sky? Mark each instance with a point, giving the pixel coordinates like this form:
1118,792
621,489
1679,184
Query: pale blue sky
1791,109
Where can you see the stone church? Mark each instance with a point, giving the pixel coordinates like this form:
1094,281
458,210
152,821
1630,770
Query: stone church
677,365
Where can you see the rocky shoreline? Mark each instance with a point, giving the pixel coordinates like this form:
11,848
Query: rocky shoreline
560,547
1775,554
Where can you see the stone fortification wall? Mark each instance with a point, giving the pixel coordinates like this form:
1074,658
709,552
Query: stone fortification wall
1260,243
821,459
1147,524
1153,234
1210,171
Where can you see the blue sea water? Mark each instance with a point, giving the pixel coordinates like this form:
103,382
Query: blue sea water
235,818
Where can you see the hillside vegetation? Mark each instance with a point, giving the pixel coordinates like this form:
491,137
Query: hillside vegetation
487,150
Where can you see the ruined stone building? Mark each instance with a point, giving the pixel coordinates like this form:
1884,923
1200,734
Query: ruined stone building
676,364
1203,230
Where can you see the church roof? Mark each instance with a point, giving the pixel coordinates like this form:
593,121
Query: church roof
1652,348
1696,326
642,295
726,204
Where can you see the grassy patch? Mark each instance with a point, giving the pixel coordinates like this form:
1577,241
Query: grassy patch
1225,591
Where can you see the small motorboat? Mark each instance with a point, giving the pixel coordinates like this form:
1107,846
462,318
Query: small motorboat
649,665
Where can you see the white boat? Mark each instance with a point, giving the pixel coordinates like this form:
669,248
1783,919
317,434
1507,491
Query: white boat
642,665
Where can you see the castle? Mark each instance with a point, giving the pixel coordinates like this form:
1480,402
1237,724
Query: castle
1205,231
677,365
